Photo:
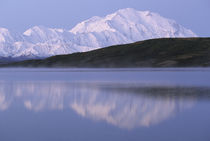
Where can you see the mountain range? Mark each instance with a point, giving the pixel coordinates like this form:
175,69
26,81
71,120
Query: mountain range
124,26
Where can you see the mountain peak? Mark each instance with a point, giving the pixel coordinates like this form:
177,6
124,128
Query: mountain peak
5,35
35,29
131,20
132,11
127,10
100,24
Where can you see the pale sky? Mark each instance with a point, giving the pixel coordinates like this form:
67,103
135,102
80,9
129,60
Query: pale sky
19,15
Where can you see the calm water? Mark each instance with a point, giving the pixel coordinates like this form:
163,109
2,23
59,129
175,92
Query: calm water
109,105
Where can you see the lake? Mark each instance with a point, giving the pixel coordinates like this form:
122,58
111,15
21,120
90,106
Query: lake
105,104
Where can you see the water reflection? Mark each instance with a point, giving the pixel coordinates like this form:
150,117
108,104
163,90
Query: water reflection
123,105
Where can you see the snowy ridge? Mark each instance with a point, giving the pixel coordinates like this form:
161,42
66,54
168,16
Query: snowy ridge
124,26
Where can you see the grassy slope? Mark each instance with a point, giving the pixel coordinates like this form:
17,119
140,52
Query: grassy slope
169,52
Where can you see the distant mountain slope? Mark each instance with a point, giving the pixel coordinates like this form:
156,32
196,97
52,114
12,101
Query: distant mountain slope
168,52
124,26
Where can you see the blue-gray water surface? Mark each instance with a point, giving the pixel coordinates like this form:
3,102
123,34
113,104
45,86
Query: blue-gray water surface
105,104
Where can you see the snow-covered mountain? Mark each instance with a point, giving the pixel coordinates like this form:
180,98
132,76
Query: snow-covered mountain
124,26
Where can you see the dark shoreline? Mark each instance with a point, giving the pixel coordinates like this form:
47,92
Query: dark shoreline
154,53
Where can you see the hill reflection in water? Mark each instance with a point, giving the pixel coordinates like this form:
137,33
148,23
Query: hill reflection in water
122,105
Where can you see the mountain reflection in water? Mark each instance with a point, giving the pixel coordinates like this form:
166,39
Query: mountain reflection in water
123,105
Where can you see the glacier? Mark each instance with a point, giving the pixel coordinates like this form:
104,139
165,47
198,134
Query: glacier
124,26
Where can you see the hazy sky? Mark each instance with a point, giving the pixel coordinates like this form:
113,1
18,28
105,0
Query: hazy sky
19,15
